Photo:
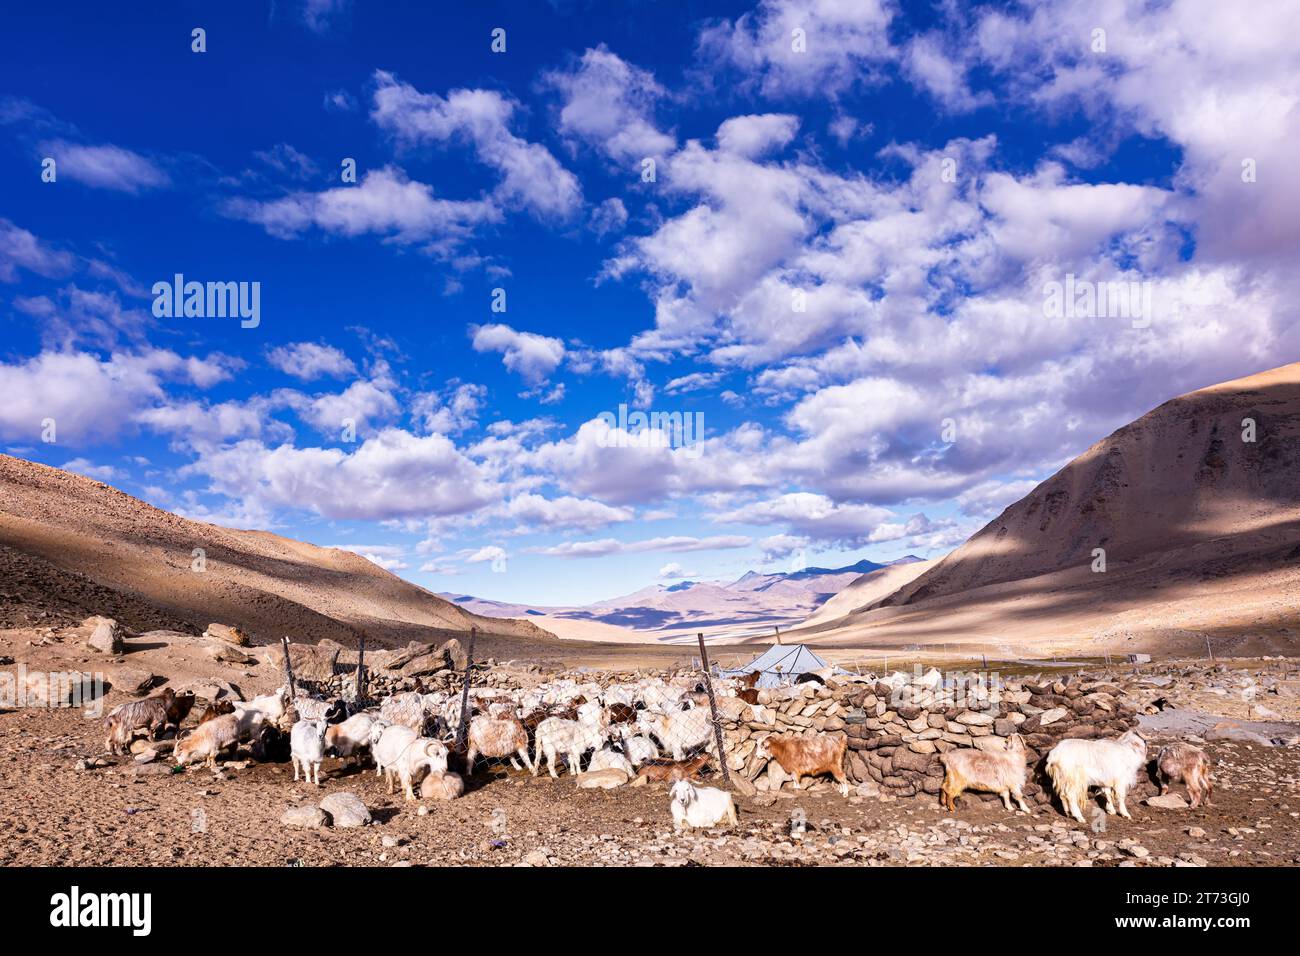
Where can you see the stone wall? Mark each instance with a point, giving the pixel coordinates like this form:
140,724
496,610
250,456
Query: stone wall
897,728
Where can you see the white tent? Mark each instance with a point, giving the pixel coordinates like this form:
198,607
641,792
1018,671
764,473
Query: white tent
780,664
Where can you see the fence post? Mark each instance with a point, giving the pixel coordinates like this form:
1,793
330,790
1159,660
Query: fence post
713,712
774,627
462,732
288,667
361,671
1208,648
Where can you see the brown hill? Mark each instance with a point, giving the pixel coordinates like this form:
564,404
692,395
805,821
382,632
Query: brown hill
1201,533
71,546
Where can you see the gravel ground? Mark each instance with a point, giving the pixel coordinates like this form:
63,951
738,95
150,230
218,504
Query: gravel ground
54,814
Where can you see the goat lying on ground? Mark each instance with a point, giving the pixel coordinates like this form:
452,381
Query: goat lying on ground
807,757
1183,763
657,770
1112,765
701,807
988,771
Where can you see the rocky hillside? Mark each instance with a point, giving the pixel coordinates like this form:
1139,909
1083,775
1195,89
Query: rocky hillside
1178,489
71,546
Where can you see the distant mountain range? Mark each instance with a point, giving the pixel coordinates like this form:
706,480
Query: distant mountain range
753,603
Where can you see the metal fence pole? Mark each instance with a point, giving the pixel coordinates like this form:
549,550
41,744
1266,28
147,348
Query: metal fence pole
462,732
713,711
361,671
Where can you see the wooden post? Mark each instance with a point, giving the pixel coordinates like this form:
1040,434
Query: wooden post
361,670
462,732
1209,649
775,628
288,668
713,712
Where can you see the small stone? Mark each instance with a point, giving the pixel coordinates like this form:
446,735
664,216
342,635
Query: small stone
105,636
308,816
535,858
1195,833
1170,801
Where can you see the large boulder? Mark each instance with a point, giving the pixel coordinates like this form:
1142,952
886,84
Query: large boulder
227,635
346,809
105,635
310,662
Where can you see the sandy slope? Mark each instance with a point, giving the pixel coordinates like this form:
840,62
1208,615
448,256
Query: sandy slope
81,546
868,589
1201,532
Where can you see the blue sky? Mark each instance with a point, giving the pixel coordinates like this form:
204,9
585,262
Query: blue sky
840,264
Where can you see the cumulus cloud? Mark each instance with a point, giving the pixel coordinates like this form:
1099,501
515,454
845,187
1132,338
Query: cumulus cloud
609,104
752,136
391,475
534,357
530,175
311,360
802,47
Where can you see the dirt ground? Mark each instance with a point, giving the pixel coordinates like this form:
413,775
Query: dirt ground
54,814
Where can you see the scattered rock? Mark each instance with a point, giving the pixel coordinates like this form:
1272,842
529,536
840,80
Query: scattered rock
227,635
105,635
307,816
1170,801
606,779
346,809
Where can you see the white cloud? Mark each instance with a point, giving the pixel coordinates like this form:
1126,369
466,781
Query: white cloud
392,475
385,203
105,167
310,360
677,544
530,175
534,357
610,104
675,572
20,249
845,45
753,136
566,512
387,556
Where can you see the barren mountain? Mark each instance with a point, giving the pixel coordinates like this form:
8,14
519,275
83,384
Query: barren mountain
752,604
71,546
1198,523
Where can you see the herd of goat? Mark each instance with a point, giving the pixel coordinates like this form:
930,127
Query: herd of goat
655,728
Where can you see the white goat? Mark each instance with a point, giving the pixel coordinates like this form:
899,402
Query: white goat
701,807
1112,765
272,706
401,752
989,771
607,759
679,731
307,748
572,738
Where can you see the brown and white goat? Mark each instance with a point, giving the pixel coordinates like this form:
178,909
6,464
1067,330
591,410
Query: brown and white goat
208,740
987,771
497,737
808,756
1183,763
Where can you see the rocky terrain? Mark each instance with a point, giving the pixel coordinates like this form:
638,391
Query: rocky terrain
62,801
